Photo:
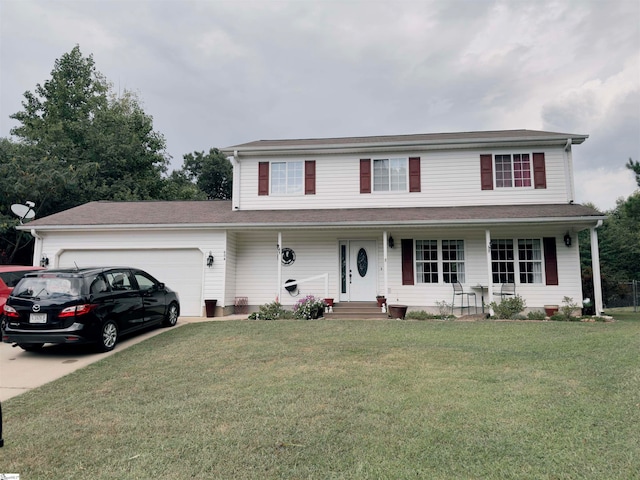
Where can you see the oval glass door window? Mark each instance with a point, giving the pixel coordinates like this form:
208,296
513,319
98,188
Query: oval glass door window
363,262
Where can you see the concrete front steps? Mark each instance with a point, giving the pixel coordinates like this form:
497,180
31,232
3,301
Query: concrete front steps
355,310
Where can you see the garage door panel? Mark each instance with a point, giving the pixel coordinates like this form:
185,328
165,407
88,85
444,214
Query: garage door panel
179,269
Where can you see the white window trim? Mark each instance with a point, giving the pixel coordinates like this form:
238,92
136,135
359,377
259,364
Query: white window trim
387,192
516,261
272,176
513,180
439,261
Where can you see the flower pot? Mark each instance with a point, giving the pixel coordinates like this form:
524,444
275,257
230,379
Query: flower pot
397,311
328,302
550,310
381,301
210,306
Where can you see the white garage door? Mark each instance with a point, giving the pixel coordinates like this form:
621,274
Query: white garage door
179,269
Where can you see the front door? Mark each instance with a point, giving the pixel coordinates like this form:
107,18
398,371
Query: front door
358,270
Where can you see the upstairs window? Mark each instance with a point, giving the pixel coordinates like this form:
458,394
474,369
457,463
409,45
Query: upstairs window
390,175
287,178
513,170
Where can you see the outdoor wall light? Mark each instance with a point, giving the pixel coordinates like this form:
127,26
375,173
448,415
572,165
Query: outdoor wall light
210,260
567,239
391,242
44,261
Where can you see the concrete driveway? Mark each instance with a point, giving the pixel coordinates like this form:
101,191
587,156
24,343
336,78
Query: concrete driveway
21,371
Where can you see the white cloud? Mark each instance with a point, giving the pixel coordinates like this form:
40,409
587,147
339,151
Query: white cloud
603,187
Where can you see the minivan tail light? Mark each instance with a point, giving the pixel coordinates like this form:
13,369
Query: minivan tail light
76,310
10,311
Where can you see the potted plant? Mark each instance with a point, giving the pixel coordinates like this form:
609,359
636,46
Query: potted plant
381,299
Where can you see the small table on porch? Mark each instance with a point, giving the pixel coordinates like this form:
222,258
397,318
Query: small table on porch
482,289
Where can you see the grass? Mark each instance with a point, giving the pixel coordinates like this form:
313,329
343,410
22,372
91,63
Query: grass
343,400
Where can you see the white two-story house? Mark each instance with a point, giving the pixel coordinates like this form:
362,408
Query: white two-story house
405,216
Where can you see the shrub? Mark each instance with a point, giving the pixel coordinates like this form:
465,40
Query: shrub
567,309
308,307
271,311
444,309
508,308
536,315
421,315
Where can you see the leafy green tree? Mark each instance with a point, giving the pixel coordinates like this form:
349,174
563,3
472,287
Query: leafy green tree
619,242
211,172
76,120
635,167
76,141
178,186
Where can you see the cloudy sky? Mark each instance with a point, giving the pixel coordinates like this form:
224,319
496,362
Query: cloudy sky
215,73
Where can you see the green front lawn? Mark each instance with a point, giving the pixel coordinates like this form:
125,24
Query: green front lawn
342,399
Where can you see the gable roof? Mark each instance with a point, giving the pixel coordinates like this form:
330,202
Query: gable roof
219,214
424,140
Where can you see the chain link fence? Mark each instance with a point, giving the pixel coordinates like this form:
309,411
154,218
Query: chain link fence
627,294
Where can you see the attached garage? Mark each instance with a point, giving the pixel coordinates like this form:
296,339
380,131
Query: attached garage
180,269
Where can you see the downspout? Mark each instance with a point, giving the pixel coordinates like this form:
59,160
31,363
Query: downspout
568,172
595,267
235,191
37,248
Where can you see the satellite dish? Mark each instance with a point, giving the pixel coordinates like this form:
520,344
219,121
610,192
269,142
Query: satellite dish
23,212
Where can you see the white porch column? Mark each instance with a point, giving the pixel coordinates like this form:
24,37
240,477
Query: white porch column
279,260
487,237
385,241
595,267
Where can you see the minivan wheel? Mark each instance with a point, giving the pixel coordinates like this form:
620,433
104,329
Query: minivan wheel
109,336
31,347
171,318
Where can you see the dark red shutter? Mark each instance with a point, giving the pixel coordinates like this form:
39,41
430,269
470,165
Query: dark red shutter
486,171
310,177
407,261
365,175
263,178
414,174
550,260
539,171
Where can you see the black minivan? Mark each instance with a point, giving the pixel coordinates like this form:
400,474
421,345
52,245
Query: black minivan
85,305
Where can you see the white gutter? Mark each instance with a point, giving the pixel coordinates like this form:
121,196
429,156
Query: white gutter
235,193
37,248
568,172
345,223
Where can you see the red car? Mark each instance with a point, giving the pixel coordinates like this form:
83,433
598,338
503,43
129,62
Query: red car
10,275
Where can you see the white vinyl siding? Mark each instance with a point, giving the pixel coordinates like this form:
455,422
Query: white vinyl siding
448,178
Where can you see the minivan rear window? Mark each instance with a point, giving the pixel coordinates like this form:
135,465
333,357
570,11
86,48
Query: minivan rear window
43,287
